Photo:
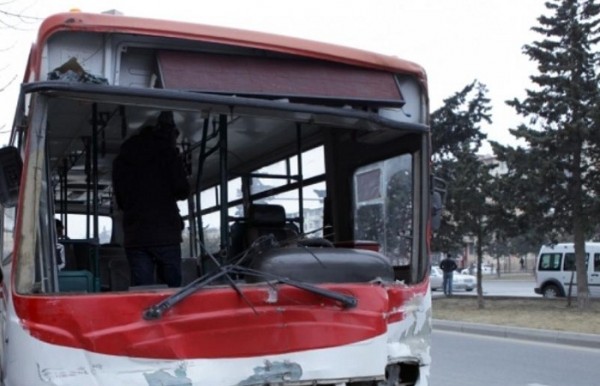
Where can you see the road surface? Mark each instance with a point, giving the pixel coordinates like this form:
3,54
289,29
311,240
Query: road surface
474,360
522,286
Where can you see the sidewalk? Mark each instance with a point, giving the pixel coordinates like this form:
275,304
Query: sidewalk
531,334
527,275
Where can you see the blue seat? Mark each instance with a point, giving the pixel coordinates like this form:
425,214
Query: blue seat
76,281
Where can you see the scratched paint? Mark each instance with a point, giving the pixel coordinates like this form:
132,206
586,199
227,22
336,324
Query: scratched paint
37,363
273,372
410,339
164,378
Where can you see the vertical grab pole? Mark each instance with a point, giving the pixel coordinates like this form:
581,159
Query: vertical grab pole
95,199
201,158
300,178
223,182
63,195
94,173
88,180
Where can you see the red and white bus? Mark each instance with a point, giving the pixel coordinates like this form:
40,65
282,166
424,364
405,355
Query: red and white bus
305,253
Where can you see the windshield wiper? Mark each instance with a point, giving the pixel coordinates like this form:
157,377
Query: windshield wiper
348,301
157,310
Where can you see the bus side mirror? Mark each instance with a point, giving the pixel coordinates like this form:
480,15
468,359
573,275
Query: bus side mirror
438,194
436,210
10,176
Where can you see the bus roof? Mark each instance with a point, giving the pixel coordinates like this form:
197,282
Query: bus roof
76,21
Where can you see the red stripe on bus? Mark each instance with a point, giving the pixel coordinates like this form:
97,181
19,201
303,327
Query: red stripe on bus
214,323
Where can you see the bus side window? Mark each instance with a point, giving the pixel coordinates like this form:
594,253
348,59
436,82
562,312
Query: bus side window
8,226
10,175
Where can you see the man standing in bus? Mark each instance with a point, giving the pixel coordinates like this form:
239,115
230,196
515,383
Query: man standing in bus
448,266
149,178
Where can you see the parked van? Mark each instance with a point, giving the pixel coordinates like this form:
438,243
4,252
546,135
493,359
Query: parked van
555,270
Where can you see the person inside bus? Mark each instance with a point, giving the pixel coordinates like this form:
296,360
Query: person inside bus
60,230
149,178
60,248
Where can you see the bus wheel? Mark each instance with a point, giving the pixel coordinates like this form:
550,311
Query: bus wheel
551,291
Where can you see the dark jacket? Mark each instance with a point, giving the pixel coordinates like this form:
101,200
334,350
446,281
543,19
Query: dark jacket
148,179
448,265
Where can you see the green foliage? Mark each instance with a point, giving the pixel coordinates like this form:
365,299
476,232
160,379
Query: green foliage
456,125
514,246
456,137
553,181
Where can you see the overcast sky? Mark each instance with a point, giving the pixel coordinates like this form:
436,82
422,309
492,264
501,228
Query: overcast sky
456,41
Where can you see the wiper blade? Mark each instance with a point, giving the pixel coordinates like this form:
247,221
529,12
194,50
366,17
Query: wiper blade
157,310
348,301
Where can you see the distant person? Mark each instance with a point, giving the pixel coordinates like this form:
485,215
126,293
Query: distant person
61,259
149,178
522,263
448,266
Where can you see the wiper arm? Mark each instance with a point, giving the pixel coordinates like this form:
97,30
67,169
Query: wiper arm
157,310
348,301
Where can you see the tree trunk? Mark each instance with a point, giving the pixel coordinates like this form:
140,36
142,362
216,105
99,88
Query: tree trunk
498,267
480,302
583,296
570,291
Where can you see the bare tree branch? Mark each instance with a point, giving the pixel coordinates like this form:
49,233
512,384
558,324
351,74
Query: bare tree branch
18,17
8,84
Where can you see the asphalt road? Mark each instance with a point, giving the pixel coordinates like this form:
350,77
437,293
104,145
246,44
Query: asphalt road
474,360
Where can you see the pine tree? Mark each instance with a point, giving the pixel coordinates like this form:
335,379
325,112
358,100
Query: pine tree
456,138
552,181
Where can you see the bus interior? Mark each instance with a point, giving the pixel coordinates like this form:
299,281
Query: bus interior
294,173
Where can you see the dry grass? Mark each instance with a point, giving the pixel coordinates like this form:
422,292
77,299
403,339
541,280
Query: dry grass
548,314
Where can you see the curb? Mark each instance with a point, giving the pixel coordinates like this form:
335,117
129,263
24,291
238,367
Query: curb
531,334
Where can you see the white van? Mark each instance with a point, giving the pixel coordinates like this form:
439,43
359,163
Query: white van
555,268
